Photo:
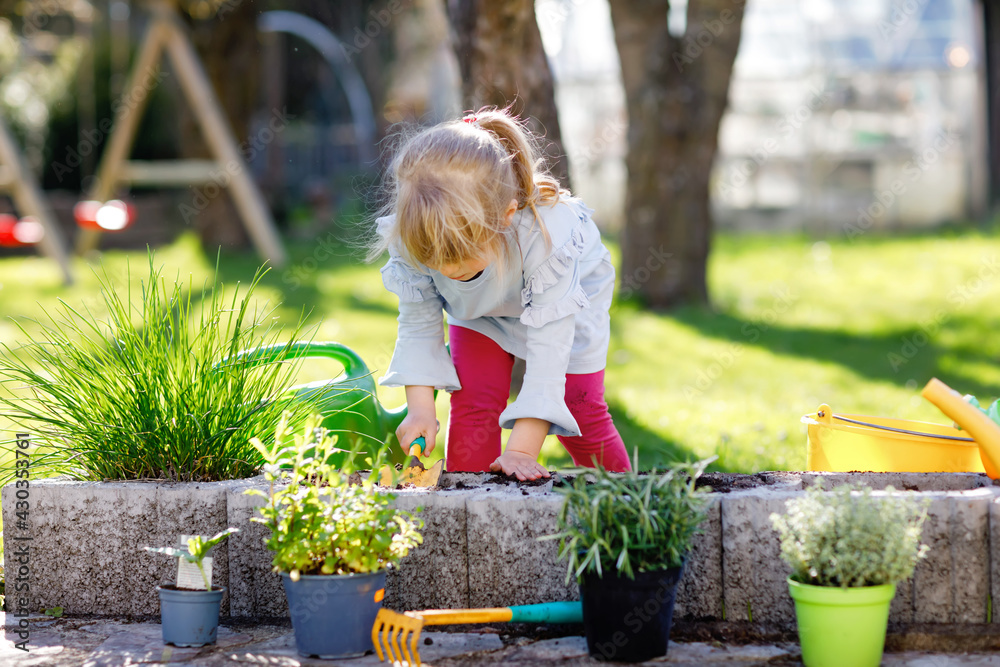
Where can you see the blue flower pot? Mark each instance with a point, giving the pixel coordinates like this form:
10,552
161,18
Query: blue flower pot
332,615
190,618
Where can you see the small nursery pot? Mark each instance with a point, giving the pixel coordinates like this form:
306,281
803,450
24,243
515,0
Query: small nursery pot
189,618
628,620
332,615
841,626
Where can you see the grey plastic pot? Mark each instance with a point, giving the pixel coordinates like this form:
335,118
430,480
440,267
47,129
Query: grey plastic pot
332,615
189,618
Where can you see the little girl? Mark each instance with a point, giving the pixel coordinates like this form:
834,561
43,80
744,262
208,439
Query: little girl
479,230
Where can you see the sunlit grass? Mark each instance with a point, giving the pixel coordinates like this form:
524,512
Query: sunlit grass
795,322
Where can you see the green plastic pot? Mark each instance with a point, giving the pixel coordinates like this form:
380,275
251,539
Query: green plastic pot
841,626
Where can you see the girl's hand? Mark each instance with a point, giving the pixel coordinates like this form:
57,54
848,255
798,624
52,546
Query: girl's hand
524,466
420,420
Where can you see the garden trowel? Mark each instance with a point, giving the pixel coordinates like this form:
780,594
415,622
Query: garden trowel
414,473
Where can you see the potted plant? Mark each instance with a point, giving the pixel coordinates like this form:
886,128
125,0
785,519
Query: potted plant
334,536
625,537
848,549
189,610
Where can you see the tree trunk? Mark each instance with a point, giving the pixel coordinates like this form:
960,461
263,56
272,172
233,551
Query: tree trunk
502,62
676,91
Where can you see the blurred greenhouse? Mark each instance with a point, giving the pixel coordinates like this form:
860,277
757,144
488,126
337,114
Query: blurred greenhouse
843,115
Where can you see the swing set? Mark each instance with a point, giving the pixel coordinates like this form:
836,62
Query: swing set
100,212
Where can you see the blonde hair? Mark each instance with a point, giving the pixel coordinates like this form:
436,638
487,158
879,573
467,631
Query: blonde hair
450,187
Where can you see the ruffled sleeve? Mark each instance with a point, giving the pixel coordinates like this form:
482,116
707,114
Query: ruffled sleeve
543,392
406,282
553,290
420,357
551,296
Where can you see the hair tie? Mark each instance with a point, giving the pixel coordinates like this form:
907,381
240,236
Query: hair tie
471,119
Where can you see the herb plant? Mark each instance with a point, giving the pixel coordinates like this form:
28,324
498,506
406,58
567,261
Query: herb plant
629,522
198,548
851,537
323,520
135,389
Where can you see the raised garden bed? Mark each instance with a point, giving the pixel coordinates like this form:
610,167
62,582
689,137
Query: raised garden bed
481,549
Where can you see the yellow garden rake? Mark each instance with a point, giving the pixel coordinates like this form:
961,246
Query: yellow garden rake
396,635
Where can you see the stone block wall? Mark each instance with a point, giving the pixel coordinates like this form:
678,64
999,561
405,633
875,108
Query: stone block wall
481,548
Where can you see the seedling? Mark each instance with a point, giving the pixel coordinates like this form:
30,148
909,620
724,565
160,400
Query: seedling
198,548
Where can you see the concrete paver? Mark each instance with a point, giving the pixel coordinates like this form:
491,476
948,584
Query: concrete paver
75,642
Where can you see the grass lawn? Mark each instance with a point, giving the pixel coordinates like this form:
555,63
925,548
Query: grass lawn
795,322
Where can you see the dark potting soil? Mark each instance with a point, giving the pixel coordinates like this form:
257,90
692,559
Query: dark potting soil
173,587
724,482
497,478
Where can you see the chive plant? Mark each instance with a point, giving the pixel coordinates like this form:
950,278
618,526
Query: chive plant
144,390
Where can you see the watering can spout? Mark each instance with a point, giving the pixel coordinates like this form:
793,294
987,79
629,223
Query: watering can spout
983,430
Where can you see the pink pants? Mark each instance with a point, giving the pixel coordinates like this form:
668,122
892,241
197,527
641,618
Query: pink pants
484,370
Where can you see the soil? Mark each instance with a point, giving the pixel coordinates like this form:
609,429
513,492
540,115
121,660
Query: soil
724,482
173,587
497,478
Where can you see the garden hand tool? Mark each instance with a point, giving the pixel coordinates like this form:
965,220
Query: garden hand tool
396,635
414,473
983,430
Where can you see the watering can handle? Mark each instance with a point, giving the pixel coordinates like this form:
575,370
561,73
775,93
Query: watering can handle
354,366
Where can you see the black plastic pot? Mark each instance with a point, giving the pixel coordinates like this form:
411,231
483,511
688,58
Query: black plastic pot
628,620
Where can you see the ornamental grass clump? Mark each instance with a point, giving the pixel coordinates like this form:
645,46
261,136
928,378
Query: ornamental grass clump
852,537
138,388
322,519
629,522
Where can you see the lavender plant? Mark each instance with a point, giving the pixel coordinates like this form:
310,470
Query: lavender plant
852,536
629,522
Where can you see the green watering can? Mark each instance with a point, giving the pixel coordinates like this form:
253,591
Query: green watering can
347,403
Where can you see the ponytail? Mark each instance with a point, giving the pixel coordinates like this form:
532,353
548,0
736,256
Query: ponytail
450,187
535,184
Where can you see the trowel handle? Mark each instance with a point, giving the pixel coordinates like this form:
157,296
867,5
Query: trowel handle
417,446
